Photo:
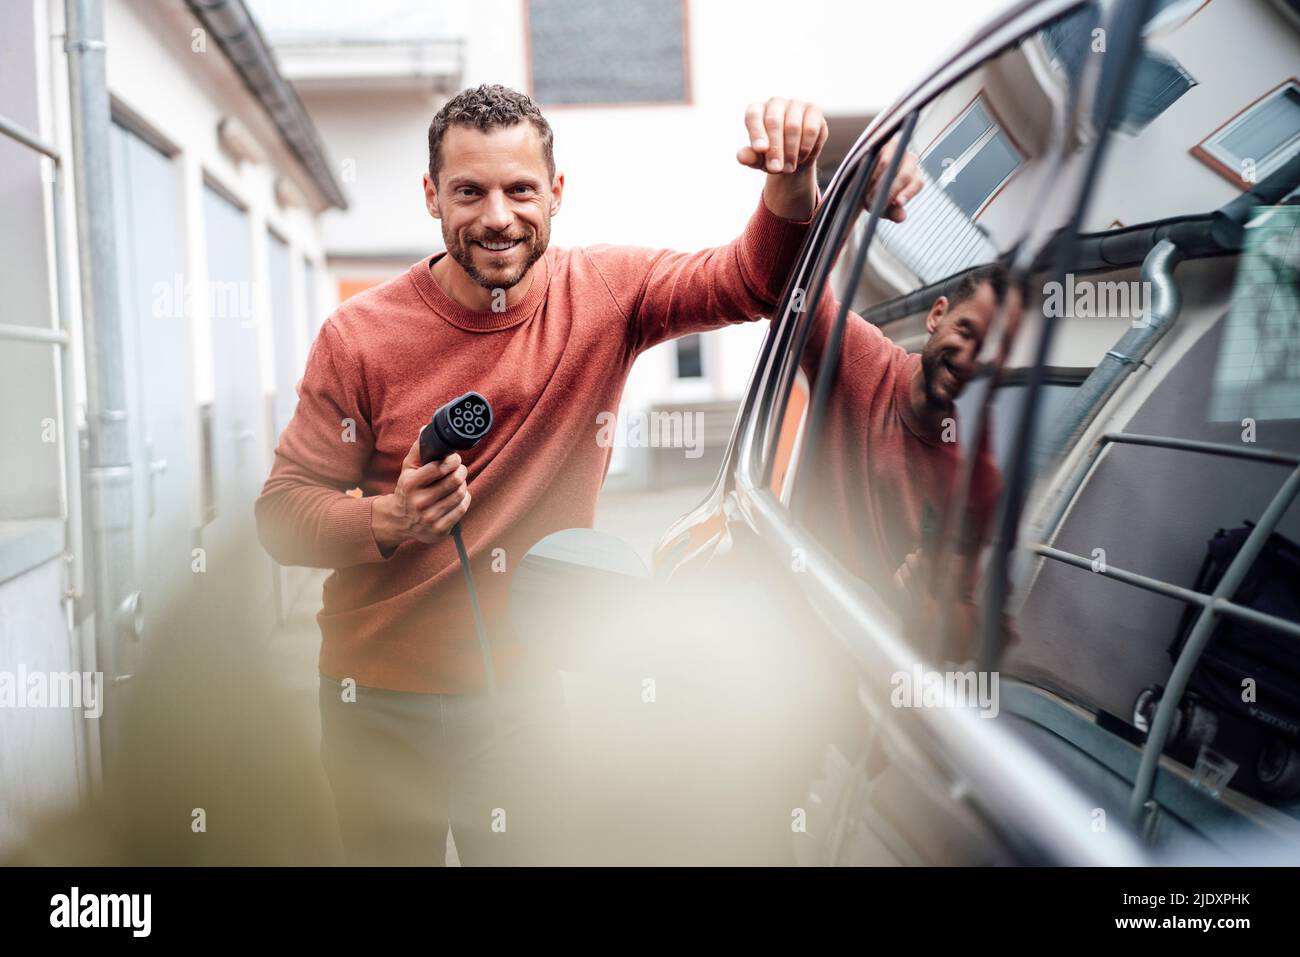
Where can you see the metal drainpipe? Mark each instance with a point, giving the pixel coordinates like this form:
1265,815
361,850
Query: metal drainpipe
110,469
1130,352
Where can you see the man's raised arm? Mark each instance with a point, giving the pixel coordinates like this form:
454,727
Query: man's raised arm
666,294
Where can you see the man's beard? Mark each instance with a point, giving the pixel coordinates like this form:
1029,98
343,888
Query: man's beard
463,255
931,364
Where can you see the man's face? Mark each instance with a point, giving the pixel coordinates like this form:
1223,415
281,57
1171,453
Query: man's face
495,199
957,332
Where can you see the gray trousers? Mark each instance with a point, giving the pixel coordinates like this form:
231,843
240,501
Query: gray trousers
404,767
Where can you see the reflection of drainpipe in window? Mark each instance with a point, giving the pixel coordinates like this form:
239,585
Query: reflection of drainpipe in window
1134,346
117,604
1217,233
1116,365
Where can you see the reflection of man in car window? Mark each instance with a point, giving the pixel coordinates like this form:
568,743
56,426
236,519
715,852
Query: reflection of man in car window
887,462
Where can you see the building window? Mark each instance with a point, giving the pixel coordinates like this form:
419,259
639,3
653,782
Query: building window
586,53
962,170
690,357
972,159
1158,79
1257,141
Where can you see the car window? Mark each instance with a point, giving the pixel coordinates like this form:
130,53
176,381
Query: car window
903,465
791,322
1127,435
808,317
1181,296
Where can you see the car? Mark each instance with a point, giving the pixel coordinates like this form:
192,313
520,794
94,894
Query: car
1056,625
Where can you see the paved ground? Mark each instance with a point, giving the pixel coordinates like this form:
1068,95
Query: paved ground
638,517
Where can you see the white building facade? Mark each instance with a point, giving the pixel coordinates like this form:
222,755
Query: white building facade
158,277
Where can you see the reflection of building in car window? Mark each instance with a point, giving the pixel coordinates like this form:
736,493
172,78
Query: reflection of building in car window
1258,141
972,159
1158,79
917,243
963,170
887,461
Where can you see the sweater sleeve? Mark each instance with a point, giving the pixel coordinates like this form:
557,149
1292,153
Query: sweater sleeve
664,294
303,515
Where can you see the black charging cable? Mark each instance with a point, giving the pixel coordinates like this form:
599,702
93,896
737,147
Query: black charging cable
457,427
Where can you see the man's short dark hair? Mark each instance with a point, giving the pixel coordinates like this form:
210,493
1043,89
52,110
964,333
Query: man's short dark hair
994,274
488,107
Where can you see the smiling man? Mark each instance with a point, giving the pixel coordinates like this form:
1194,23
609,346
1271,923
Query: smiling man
548,336
888,462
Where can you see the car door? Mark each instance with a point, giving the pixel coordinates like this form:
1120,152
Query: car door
1001,177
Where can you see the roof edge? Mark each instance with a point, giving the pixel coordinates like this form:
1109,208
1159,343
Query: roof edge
240,39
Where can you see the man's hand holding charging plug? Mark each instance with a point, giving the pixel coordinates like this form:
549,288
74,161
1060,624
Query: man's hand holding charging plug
427,501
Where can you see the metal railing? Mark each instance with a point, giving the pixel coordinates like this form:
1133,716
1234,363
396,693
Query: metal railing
1213,606
60,336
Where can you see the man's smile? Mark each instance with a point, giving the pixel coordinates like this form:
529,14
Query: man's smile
497,246
946,365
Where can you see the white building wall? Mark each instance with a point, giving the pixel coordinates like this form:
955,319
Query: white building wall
40,748
1138,186
174,92
378,143
156,72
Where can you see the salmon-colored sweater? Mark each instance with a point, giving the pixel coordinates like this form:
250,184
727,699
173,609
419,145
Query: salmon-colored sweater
550,364
884,479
